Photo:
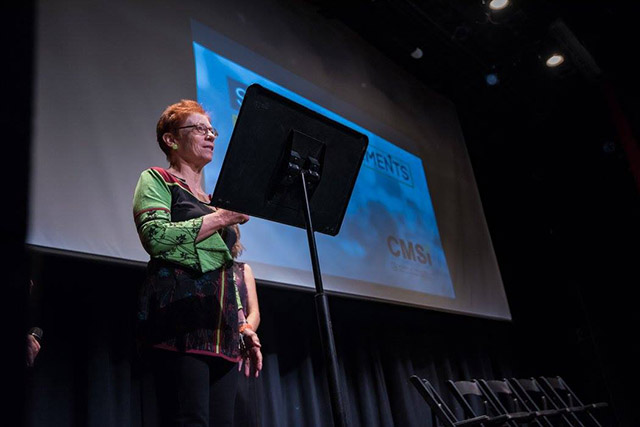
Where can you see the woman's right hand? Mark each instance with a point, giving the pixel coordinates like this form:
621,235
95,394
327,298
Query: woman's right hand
231,217
217,220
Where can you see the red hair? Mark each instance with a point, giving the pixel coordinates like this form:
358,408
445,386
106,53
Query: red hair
173,116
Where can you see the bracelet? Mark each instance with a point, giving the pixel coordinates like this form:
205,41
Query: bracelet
245,326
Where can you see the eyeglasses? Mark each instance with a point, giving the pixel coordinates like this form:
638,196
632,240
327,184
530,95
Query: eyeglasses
202,129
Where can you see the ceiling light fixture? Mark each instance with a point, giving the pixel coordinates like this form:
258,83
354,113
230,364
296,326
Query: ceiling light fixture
498,4
555,60
492,79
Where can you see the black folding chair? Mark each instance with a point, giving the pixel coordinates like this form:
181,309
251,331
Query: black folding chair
531,395
507,400
439,409
560,391
569,413
469,394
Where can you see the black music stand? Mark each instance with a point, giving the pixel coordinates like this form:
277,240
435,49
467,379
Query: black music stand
288,164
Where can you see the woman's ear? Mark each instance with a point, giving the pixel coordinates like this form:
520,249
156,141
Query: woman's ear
169,139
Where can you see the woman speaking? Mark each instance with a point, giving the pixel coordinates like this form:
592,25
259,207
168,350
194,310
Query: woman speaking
192,327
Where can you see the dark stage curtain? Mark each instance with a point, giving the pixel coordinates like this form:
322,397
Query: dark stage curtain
88,373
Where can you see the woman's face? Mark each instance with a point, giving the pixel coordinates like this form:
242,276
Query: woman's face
194,147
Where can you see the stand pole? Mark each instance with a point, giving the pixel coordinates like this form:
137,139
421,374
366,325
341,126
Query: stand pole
324,320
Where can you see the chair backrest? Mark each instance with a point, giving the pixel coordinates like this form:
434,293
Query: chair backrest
559,391
531,392
529,384
433,399
468,387
504,397
471,398
533,399
562,388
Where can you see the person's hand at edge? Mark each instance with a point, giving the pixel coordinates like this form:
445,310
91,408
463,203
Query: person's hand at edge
33,348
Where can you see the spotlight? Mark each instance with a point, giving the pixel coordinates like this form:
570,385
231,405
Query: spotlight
498,4
492,79
417,53
555,60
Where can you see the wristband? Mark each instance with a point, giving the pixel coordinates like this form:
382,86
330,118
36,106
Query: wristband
245,326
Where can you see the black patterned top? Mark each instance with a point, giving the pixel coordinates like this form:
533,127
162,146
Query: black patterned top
189,301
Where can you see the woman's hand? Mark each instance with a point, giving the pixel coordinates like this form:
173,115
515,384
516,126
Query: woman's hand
217,220
231,217
252,355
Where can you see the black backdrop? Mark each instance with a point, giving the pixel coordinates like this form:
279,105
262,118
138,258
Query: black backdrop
88,373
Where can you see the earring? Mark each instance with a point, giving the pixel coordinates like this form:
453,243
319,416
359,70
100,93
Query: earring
174,146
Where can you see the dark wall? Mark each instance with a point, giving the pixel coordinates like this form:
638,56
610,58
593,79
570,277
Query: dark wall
15,119
563,209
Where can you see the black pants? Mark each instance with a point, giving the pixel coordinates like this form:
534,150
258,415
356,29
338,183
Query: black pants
193,389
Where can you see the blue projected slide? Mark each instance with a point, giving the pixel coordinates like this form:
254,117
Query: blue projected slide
389,236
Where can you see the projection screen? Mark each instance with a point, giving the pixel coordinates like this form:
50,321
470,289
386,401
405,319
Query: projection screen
414,232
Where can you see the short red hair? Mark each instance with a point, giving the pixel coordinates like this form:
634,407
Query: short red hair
173,116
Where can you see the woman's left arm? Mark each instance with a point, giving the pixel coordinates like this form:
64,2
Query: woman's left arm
253,309
252,356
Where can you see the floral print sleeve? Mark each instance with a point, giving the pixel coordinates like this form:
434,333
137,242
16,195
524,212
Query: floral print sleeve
168,240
